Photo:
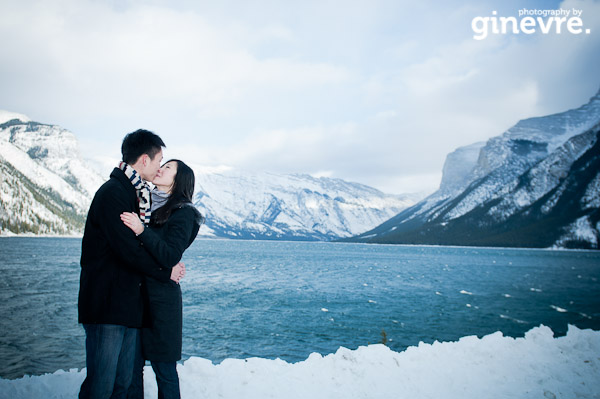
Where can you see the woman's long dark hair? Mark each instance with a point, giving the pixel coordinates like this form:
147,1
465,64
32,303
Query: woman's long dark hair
181,192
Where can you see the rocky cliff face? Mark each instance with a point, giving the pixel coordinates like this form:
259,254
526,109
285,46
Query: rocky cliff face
511,193
45,185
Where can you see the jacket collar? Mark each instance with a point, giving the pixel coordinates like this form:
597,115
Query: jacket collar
120,176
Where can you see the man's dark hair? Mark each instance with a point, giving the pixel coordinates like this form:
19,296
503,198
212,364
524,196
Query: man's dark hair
138,143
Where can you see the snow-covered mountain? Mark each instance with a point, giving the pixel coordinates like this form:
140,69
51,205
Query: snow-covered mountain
45,185
535,185
296,206
46,188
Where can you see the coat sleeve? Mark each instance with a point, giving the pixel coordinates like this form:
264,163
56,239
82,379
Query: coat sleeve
123,241
168,248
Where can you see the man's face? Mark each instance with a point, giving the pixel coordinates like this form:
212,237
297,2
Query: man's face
151,166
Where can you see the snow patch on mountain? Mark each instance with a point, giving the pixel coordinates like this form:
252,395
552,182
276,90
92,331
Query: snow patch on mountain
46,187
458,167
543,178
54,148
591,199
23,208
530,186
42,176
292,206
580,230
503,159
540,136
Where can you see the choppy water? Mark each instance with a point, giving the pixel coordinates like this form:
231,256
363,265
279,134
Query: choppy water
288,299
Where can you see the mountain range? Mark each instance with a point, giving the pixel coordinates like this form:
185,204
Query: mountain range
292,207
536,185
46,187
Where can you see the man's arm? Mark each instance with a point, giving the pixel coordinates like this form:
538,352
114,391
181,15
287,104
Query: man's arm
122,240
169,250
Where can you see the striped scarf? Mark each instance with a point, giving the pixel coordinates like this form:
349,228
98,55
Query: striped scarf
142,189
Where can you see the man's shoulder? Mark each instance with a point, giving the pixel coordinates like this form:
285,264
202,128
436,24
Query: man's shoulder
117,184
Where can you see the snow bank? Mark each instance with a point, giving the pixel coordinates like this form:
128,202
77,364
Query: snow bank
536,366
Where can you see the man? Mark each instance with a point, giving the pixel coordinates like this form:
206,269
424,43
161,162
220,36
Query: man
112,264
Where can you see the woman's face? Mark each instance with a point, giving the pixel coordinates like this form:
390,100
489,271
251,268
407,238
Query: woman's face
165,176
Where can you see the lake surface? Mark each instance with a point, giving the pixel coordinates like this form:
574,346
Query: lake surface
286,300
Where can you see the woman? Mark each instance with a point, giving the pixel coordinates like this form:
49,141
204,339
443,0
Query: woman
173,227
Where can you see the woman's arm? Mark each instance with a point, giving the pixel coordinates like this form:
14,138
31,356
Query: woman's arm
132,220
170,249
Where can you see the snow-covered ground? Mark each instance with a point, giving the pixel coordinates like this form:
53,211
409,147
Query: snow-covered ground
536,366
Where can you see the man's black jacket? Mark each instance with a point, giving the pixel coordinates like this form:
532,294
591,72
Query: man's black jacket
113,260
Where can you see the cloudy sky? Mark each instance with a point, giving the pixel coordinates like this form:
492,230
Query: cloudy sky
376,92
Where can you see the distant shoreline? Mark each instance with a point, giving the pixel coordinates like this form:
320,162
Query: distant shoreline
2,235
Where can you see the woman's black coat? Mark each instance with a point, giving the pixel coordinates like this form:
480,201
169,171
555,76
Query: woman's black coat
161,340
113,262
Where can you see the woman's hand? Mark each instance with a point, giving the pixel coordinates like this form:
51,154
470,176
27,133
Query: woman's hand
132,220
178,272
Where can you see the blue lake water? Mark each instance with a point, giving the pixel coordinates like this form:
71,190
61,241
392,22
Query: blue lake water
288,299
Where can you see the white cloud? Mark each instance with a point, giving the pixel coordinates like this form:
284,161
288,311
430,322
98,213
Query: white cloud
123,62
376,92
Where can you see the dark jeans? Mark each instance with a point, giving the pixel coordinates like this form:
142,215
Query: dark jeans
110,352
167,378
136,389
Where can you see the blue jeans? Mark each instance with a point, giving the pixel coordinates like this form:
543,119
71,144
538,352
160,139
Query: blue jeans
110,352
167,378
136,389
